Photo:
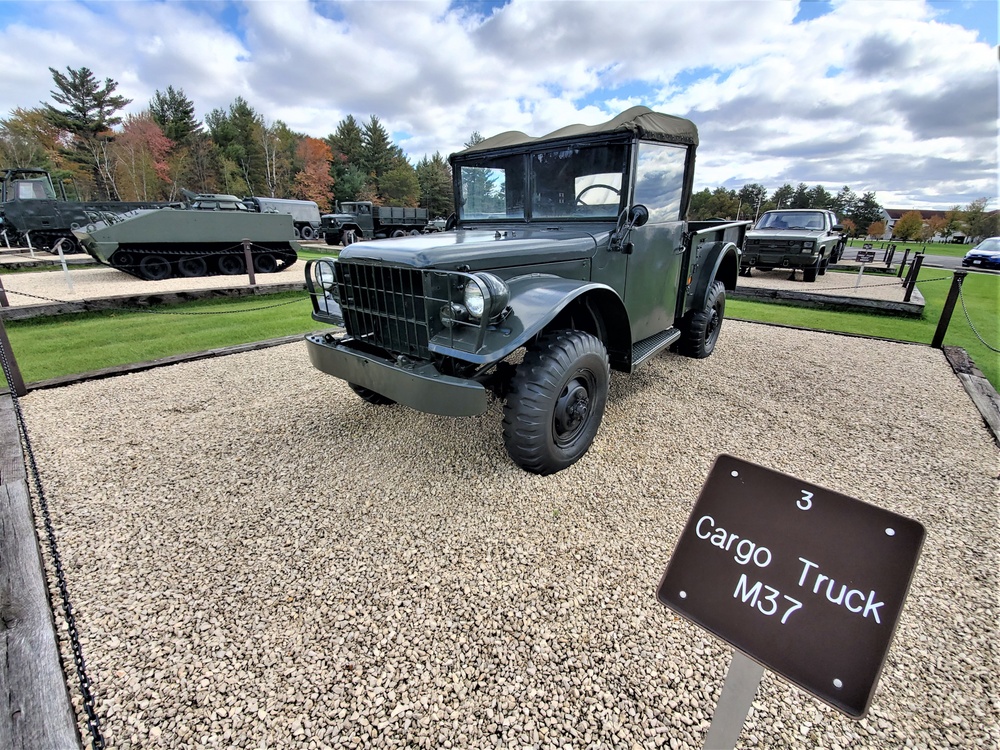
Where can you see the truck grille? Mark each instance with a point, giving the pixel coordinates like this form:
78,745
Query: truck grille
385,306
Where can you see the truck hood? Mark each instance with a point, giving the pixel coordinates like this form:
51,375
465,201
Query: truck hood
480,249
785,234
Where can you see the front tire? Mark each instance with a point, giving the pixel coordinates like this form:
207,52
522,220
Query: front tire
809,274
701,328
556,401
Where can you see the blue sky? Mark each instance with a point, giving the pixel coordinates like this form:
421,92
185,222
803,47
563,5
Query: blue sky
895,96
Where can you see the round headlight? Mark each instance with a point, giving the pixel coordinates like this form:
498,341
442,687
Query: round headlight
486,296
475,299
325,276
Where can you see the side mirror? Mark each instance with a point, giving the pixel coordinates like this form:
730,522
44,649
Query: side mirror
639,215
838,228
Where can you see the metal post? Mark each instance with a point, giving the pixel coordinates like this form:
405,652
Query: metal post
6,240
27,236
249,261
911,280
888,259
15,381
3,296
902,266
860,273
949,308
62,259
742,681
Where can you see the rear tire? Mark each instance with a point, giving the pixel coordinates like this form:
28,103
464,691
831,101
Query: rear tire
556,401
348,237
307,232
397,233
366,394
700,329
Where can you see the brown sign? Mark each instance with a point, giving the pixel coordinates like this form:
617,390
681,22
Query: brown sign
866,257
806,581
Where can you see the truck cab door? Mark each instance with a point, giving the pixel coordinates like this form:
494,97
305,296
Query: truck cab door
653,274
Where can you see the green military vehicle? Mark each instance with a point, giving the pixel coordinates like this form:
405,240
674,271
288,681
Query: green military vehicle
569,256
809,239
363,220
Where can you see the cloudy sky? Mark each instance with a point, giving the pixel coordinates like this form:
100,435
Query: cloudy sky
899,97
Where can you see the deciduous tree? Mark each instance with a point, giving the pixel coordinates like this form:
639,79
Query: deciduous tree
139,156
876,229
909,226
314,181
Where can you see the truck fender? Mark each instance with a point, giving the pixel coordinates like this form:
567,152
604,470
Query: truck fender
720,261
538,299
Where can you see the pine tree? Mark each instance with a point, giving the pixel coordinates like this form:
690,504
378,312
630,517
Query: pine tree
89,114
174,113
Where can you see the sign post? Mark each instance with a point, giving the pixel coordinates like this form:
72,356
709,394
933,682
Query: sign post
806,582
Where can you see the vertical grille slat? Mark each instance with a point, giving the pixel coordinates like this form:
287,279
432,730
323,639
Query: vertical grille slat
385,306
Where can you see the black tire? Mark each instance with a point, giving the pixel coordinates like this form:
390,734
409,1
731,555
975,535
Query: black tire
330,239
192,267
700,328
307,232
155,268
809,274
414,232
371,396
297,233
265,263
397,233
822,266
231,264
556,401
348,237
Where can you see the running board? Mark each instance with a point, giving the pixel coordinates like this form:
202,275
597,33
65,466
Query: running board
643,350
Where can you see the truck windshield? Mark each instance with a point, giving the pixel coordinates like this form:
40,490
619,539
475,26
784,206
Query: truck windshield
35,188
565,183
791,220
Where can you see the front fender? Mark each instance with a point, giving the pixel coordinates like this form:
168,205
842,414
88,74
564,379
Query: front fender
535,300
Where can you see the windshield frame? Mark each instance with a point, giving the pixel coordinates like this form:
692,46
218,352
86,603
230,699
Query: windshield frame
525,205
794,219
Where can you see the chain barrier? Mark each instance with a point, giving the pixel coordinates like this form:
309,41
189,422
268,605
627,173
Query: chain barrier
876,286
89,704
156,312
961,294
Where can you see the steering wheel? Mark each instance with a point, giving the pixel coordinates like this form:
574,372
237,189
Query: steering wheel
579,195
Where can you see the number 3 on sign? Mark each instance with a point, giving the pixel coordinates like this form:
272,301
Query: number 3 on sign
805,502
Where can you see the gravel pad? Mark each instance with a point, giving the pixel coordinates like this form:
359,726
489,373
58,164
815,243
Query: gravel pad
259,559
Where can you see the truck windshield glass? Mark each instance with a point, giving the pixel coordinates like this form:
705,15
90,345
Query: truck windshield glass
579,182
34,189
791,220
567,183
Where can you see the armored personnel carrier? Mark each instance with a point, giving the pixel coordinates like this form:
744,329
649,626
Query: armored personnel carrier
203,240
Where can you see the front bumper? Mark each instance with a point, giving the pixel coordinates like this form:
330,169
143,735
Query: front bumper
756,258
418,385
979,261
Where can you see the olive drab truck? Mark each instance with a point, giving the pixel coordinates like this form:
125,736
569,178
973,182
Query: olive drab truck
363,220
569,257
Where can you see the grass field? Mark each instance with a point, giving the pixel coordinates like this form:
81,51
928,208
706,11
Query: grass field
52,347
950,250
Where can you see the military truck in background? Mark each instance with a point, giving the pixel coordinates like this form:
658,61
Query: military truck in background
806,239
363,220
305,214
34,214
569,256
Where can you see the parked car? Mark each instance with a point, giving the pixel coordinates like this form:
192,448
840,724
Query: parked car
984,255
806,239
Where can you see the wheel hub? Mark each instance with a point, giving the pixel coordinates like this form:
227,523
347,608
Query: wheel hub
572,408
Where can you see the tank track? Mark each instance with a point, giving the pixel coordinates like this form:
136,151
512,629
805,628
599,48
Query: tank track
46,239
164,262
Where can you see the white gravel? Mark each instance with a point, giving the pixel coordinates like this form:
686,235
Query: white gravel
869,285
258,559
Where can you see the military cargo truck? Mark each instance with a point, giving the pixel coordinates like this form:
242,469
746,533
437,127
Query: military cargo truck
363,220
305,214
569,257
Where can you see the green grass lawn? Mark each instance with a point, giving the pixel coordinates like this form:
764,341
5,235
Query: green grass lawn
982,297
950,250
69,344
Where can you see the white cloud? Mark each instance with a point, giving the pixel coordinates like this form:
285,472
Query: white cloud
878,95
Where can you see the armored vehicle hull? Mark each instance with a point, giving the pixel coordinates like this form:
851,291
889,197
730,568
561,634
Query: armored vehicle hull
161,243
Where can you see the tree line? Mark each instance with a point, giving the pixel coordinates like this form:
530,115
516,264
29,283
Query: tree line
96,153
861,216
